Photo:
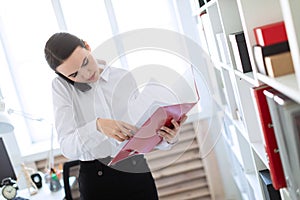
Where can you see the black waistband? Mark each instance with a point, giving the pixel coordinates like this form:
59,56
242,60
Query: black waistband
102,160
106,160
135,163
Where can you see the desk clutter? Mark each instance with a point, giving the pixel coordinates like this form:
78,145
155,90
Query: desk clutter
40,182
33,180
51,185
53,178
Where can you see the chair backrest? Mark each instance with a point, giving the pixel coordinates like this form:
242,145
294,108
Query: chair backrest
70,177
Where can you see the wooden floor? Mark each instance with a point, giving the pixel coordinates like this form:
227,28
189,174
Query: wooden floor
179,173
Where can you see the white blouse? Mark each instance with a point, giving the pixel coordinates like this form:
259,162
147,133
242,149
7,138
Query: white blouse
76,112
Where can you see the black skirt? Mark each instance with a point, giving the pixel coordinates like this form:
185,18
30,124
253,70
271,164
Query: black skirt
130,179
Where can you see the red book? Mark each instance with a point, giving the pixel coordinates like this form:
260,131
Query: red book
270,34
271,147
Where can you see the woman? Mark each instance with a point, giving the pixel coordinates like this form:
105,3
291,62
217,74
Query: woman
89,110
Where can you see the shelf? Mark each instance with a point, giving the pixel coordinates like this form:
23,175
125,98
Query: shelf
240,127
285,194
218,63
255,185
238,184
249,77
252,180
246,147
206,6
259,148
217,67
227,112
285,84
245,196
226,66
235,150
217,101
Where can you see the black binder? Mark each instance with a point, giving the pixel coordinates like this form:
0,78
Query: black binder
269,191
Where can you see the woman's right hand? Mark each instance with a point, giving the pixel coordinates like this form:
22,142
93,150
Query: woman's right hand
118,130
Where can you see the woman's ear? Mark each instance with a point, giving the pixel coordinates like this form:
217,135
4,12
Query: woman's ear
87,46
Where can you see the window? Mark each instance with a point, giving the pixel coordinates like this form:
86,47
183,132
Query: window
137,14
25,26
24,31
87,19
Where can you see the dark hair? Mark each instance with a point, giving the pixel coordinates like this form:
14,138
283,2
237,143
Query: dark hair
59,47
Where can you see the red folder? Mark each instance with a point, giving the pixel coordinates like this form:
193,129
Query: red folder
271,147
146,138
270,34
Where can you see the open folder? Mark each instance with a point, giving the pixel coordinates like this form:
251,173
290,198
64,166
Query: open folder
146,138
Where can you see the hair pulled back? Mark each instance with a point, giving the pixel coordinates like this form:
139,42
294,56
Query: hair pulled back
59,47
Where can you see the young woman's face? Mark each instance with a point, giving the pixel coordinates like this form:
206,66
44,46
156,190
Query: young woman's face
80,66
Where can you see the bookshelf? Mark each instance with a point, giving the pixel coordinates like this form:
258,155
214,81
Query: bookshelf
243,134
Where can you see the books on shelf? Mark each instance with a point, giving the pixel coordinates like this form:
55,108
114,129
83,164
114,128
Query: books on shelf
269,191
285,114
272,53
270,33
240,52
260,52
271,146
279,64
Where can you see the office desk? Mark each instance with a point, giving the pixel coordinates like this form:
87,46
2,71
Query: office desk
44,193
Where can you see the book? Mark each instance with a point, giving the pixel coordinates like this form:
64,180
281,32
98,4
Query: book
270,192
146,138
279,64
271,146
270,33
285,115
240,52
260,52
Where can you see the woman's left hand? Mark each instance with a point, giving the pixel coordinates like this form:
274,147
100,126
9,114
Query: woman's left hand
171,135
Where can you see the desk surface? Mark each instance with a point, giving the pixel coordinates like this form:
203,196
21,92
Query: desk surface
44,193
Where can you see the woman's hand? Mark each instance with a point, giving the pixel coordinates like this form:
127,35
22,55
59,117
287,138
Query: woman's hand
171,135
118,130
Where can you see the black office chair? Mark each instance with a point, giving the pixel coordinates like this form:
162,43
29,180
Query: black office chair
71,172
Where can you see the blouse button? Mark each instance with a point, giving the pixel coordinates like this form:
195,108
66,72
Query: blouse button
100,173
133,162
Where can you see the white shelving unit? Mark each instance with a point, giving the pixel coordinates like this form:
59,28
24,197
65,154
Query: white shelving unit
242,132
